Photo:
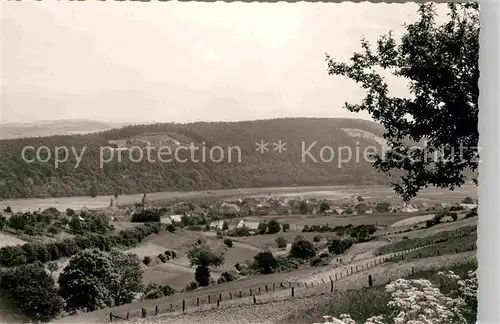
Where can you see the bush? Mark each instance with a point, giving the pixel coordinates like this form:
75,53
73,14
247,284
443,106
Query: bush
219,234
154,291
227,276
3,221
54,230
273,227
146,260
168,290
163,258
383,207
472,213
318,261
302,249
454,216
239,232
8,209
281,242
286,227
228,242
171,254
170,228
317,238
468,200
191,286
147,215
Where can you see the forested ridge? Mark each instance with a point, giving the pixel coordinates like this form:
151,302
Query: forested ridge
20,179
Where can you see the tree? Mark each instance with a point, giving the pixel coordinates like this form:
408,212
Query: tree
302,249
468,200
76,225
440,63
203,257
33,291
52,267
95,279
225,226
281,242
383,207
273,226
3,221
262,228
228,242
265,262
303,208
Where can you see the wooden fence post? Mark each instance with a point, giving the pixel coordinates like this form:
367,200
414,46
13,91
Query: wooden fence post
156,309
293,291
183,305
274,288
240,293
111,316
331,286
127,316
259,290
412,270
254,300
197,301
144,312
218,301
209,299
370,281
171,307
230,295
220,296
266,289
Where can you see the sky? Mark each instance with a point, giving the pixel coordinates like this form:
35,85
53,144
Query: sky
184,62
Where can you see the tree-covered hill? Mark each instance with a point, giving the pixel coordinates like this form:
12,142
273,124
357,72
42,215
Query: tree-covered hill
21,179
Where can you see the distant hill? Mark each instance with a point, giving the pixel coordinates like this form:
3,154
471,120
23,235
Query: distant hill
54,127
20,179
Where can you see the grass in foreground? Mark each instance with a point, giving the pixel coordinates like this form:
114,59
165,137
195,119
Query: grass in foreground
363,303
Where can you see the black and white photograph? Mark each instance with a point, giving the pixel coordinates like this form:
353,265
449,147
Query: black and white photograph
239,163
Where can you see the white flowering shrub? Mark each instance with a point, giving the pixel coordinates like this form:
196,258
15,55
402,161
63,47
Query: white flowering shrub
419,301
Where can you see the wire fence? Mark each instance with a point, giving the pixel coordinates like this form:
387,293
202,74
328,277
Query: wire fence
267,292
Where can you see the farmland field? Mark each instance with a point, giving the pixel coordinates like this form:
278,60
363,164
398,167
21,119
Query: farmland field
429,195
